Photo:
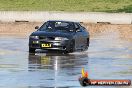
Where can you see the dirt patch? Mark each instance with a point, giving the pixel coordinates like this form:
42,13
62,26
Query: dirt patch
18,28
25,28
125,31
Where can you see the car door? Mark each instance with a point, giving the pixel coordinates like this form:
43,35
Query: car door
79,37
85,36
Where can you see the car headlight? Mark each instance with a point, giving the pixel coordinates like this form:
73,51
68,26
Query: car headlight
60,38
34,37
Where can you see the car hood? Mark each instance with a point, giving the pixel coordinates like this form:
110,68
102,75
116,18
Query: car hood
53,34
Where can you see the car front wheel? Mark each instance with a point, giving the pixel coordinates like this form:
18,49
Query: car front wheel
72,46
31,50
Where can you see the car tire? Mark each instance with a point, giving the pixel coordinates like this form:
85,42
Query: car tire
72,46
31,50
87,42
87,45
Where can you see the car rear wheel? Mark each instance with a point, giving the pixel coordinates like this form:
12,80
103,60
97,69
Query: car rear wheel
31,50
87,45
87,42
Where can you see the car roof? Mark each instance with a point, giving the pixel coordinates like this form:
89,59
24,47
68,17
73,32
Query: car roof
62,21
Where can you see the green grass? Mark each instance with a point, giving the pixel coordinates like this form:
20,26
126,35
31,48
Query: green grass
67,5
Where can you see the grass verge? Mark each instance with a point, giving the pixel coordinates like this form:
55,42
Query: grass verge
67,5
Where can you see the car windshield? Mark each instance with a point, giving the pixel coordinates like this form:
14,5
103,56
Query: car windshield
57,25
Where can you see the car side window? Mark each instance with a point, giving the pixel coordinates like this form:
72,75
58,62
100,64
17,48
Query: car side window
43,27
83,28
77,26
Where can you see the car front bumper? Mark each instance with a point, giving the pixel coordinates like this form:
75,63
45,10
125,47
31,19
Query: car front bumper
55,45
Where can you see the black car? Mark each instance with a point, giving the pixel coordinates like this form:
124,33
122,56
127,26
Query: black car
65,36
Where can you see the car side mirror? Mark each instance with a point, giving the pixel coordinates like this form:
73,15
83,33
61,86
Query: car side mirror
78,30
37,27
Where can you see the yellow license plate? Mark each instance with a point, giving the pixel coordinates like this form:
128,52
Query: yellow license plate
46,45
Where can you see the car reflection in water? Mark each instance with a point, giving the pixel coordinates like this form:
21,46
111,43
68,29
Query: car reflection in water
57,60
58,70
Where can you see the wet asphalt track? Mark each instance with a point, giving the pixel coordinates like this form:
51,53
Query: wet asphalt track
108,57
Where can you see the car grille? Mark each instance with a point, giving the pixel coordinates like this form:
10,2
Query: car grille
46,38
